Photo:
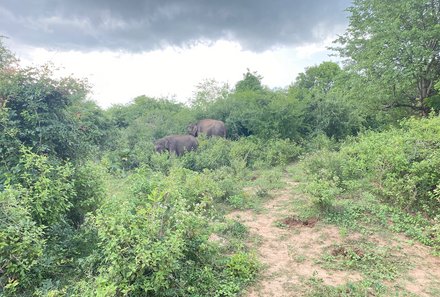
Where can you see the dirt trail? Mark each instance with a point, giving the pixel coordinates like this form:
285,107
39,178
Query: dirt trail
289,253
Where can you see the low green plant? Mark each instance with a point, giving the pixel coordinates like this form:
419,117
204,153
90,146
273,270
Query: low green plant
240,201
243,266
353,289
375,262
234,229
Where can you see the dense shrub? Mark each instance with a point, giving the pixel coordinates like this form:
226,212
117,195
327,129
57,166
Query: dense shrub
194,187
143,242
154,241
245,152
21,243
212,153
400,167
42,208
89,191
49,115
401,164
46,187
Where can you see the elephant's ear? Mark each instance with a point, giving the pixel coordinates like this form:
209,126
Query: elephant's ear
166,143
194,130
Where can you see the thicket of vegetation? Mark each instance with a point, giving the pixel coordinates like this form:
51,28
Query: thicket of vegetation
399,167
87,208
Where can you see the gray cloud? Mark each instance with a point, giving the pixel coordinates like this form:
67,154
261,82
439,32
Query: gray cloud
136,25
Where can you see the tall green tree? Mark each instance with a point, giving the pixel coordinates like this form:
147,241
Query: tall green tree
208,91
251,82
49,115
324,95
395,46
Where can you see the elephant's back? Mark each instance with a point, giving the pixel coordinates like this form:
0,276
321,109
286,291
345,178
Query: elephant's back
208,124
183,137
212,127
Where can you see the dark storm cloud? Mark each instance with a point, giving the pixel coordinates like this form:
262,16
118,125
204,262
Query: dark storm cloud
136,25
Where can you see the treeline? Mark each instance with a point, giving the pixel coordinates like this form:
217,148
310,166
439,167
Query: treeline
88,209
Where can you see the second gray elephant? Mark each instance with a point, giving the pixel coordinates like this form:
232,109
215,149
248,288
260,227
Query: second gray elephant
177,144
209,127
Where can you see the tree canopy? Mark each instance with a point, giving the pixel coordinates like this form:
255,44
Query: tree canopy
395,46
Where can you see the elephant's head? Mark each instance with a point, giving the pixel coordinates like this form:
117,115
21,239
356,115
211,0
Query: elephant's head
192,129
161,145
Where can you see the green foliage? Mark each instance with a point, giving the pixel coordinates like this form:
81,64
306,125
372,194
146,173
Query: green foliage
235,229
356,289
89,191
320,141
46,189
378,264
92,124
154,241
251,82
260,113
149,118
150,232
212,153
402,164
39,247
239,201
42,113
7,59
143,242
137,125
279,152
398,56
399,166
243,266
375,262
199,189
322,91
208,91
21,242
249,152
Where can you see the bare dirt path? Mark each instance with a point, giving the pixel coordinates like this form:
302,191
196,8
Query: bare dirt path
288,250
288,255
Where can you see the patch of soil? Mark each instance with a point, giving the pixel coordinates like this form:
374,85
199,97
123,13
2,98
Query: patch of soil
424,276
289,254
296,222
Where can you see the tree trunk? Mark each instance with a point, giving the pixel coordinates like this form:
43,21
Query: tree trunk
425,88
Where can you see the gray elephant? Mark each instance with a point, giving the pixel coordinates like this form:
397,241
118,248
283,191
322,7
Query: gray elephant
209,127
176,144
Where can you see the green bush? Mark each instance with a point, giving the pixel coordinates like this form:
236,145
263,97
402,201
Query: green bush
251,152
21,243
44,205
212,153
154,240
89,191
401,164
49,115
143,242
399,167
227,180
278,152
47,187
199,189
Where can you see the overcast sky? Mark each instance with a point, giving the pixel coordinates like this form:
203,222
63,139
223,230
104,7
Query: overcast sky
165,48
